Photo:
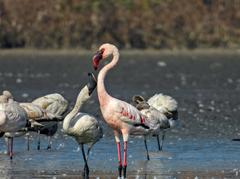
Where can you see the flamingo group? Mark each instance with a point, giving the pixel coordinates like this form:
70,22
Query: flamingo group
34,114
144,117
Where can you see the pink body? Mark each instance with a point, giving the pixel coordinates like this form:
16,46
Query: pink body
119,115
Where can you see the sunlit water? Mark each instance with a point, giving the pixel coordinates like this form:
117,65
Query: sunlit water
207,88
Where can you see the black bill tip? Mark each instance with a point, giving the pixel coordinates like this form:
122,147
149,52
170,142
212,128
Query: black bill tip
92,83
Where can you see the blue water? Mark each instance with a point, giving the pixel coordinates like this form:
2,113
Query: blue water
207,88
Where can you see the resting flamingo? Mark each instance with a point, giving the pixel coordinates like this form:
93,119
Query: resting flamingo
12,118
155,118
83,127
119,115
56,105
168,106
165,105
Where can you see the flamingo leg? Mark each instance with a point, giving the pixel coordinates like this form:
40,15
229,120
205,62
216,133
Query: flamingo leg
146,147
86,168
125,140
49,143
119,154
38,146
163,137
11,148
8,145
88,151
158,142
28,141
125,160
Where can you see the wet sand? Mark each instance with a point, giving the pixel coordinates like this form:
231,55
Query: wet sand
207,87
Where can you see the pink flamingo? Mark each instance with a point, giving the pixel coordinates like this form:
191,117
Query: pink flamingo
119,115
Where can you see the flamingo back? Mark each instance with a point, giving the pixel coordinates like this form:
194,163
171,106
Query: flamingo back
160,101
85,128
53,103
15,117
33,111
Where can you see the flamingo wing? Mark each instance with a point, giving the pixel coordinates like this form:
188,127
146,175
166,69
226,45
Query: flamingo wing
53,103
16,117
129,114
33,111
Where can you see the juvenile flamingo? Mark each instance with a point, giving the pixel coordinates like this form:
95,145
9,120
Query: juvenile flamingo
165,105
12,118
83,127
119,115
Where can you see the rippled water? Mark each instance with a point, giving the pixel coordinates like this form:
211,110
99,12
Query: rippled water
207,87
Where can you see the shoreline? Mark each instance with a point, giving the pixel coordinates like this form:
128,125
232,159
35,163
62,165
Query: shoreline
56,52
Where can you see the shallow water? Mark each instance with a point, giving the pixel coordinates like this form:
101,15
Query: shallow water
207,87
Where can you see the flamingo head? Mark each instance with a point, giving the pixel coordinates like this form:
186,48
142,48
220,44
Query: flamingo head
140,103
92,83
104,51
8,95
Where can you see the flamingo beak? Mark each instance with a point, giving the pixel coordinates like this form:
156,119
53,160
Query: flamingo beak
92,83
96,59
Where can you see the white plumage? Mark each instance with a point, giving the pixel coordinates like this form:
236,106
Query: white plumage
12,118
162,102
83,127
161,111
55,105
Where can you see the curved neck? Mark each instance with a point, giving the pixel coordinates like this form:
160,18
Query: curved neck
103,95
83,96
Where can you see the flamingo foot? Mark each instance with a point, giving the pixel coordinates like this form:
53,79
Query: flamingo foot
38,147
11,155
49,147
125,171
85,174
86,171
120,171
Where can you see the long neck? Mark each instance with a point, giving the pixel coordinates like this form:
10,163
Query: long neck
103,95
83,96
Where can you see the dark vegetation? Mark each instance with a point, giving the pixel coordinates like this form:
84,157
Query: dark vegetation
143,24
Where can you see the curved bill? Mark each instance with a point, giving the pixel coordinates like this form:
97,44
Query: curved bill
92,83
96,59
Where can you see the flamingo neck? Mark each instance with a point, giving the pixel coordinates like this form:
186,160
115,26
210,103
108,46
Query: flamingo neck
103,95
83,96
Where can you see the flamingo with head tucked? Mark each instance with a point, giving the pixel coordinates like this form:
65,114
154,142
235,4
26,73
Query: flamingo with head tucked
119,115
56,105
12,117
160,109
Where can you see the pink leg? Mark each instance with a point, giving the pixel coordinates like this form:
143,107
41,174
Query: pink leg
125,160
119,160
116,134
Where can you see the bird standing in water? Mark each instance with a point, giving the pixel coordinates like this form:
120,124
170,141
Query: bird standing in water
119,115
13,118
158,107
84,127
